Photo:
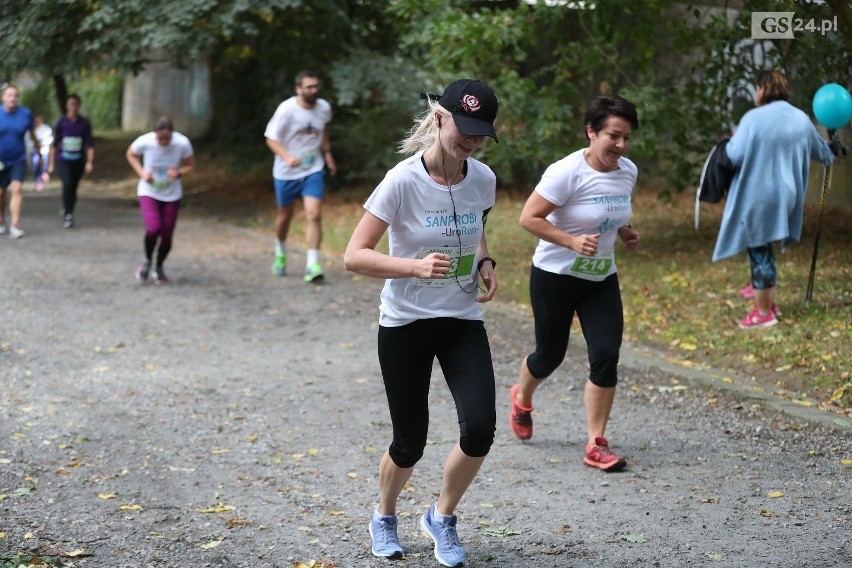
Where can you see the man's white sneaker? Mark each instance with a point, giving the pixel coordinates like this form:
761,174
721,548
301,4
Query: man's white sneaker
15,232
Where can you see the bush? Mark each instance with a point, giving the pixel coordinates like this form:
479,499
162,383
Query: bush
100,93
101,96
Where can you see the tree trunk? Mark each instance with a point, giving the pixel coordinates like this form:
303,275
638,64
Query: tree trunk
61,92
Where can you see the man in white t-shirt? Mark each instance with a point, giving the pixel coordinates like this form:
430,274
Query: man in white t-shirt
298,137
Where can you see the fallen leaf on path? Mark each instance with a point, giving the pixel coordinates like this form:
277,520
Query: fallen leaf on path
844,461
634,538
130,507
352,475
501,532
775,494
107,495
715,556
79,553
212,544
217,508
337,513
768,513
220,451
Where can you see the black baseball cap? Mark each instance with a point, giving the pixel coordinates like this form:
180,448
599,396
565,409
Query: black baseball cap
473,105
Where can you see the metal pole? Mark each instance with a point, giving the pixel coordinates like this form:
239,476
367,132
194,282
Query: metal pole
826,183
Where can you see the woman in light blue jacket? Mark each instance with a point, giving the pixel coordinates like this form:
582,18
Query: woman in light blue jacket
772,150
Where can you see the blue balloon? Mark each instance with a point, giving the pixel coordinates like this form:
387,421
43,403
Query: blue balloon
832,106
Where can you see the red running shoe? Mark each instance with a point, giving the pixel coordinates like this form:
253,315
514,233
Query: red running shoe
520,418
600,456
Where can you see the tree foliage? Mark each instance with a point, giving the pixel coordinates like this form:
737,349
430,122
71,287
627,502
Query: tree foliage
688,66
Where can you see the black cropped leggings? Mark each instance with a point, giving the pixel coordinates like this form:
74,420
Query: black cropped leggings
555,298
70,172
406,354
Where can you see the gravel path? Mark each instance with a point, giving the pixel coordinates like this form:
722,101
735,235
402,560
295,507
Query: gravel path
234,419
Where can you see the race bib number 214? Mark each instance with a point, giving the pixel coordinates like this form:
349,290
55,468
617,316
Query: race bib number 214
594,267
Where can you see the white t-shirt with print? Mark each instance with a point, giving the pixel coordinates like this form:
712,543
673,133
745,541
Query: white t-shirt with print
300,131
158,159
419,214
588,202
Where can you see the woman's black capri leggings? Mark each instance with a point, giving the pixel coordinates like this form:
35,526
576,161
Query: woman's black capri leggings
555,298
70,172
406,354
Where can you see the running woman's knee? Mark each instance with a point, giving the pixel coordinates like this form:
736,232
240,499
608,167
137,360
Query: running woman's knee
477,438
605,381
540,367
405,455
603,364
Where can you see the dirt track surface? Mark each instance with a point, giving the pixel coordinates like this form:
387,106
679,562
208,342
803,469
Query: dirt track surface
235,419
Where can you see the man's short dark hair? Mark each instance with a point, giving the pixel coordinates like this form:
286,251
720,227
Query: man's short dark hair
304,75
163,123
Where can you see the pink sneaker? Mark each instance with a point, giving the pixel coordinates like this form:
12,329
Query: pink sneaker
747,292
776,309
754,320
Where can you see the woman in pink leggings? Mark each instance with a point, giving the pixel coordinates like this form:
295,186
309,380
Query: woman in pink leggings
160,158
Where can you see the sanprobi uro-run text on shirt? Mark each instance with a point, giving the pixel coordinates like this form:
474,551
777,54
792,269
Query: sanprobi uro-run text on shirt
419,214
588,202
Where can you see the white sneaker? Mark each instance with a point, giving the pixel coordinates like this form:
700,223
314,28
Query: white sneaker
15,232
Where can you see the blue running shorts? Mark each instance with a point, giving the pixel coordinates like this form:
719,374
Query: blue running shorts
287,190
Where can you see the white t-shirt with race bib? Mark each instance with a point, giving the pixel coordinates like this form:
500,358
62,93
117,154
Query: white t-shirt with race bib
588,202
300,131
419,214
158,159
